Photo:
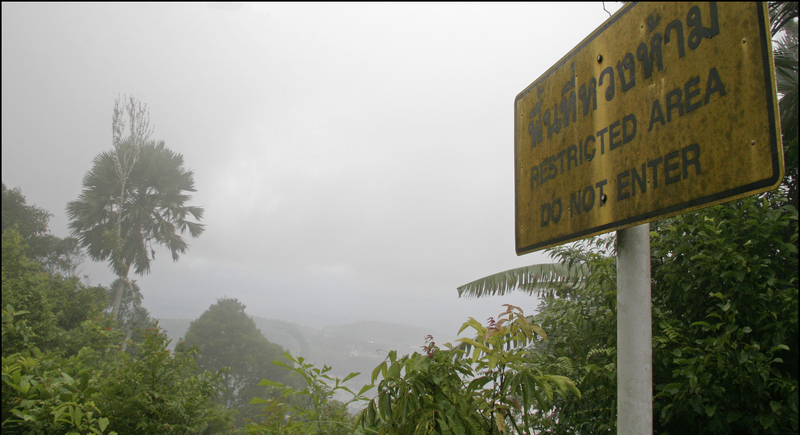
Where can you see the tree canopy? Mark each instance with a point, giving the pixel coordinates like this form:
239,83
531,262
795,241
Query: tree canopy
54,254
132,198
62,371
151,208
228,338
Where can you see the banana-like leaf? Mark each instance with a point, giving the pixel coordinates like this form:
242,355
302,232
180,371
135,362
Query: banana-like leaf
537,279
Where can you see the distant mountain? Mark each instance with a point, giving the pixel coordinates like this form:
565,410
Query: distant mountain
354,347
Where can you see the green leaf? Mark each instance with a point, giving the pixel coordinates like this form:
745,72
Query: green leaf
766,420
283,364
774,405
539,331
267,382
364,389
743,357
536,279
710,409
384,406
470,323
103,423
475,344
350,376
394,371
673,388
77,416
380,369
371,411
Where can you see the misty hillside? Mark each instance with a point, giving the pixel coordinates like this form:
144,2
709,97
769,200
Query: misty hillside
353,347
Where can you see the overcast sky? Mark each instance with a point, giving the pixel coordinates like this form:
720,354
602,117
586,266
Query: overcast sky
355,161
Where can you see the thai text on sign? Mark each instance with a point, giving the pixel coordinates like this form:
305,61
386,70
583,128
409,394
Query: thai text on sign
665,108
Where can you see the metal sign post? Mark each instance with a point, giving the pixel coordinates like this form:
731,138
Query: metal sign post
666,108
634,334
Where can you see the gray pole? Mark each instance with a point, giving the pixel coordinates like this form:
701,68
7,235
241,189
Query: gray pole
634,334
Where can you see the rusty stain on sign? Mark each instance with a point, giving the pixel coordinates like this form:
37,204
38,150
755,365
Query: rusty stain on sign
664,109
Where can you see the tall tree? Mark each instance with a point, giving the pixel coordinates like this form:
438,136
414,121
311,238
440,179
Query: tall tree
228,337
132,317
134,196
54,254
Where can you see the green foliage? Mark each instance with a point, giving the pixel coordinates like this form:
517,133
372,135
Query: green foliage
133,197
54,254
158,392
61,369
132,318
25,287
486,386
47,404
725,316
537,279
725,303
64,315
582,341
726,292
150,205
44,393
785,37
228,338
91,391
29,219
306,410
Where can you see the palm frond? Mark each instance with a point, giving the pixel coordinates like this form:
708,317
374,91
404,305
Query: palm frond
154,208
537,279
781,13
785,55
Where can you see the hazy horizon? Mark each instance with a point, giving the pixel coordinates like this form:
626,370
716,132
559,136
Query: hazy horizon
355,160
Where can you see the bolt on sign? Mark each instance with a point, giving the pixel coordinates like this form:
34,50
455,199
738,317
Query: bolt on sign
664,109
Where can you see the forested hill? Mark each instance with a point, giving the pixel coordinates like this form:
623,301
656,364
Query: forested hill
353,347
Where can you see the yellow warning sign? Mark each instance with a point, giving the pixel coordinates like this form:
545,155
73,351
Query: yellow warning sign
664,109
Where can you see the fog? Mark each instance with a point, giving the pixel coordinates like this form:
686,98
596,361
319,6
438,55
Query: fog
355,161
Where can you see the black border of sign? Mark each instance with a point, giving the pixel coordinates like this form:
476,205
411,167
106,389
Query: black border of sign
766,51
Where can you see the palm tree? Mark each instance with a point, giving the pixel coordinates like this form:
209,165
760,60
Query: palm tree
133,197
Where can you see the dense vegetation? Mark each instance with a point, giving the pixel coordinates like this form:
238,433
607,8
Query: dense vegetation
63,371
725,317
725,305
82,359
229,343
